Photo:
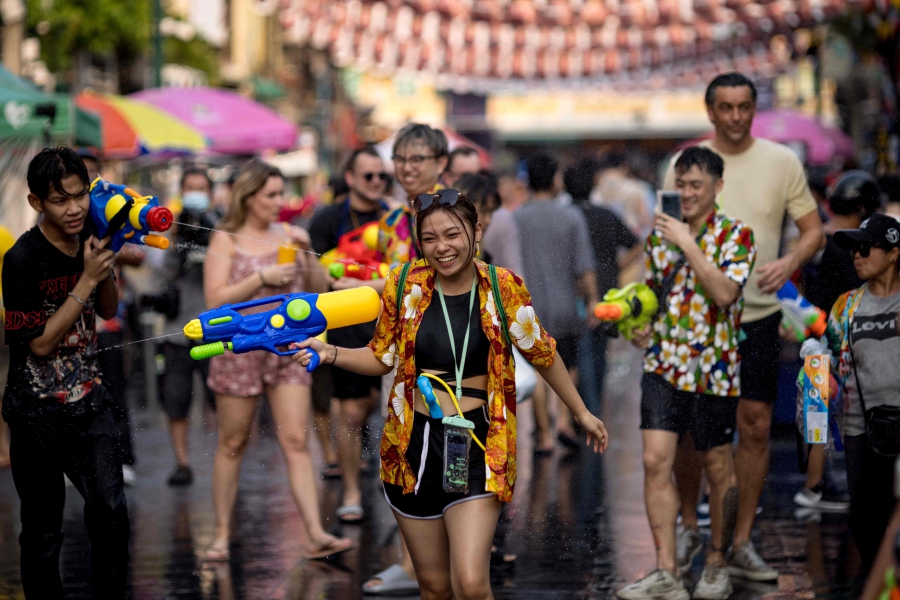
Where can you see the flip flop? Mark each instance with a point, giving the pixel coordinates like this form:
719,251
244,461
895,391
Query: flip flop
217,555
336,547
394,581
351,514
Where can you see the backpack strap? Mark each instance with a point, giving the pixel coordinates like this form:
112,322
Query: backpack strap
402,284
498,304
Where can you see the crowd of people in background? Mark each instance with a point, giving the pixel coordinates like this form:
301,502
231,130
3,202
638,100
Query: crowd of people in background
751,220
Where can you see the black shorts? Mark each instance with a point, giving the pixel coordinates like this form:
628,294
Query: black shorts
353,386
759,359
567,346
429,501
176,389
710,420
322,387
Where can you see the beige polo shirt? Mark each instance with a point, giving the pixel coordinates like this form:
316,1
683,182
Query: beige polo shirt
763,184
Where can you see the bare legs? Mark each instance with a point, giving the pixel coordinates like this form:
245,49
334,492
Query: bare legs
178,434
290,406
660,495
452,556
353,415
751,462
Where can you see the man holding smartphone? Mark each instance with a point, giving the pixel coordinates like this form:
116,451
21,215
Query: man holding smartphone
765,184
691,383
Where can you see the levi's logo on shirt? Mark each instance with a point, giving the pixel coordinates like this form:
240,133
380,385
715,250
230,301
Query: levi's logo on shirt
875,327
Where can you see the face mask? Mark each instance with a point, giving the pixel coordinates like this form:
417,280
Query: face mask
195,200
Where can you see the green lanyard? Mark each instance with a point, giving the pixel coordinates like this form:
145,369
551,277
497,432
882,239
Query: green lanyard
458,365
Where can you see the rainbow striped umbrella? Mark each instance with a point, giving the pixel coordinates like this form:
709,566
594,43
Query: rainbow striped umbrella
132,128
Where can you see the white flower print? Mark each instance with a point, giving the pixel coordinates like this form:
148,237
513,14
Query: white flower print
729,250
412,301
492,309
525,328
699,333
687,382
399,402
708,360
723,336
719,383
667,353
659,255
389,356
682,357
651,363
699,307
739,271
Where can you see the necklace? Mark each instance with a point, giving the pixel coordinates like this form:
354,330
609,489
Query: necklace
68,250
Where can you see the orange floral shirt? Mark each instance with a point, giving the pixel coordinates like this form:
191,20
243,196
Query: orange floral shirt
395,345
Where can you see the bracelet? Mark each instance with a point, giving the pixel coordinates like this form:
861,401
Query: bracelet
334,360
262,279
79,300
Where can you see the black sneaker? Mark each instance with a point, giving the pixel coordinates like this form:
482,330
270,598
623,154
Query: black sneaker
182,476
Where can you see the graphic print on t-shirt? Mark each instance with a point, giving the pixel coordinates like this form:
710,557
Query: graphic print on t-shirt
874,327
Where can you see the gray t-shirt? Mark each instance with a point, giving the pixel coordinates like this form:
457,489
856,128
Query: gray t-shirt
501,241
876,348
556,252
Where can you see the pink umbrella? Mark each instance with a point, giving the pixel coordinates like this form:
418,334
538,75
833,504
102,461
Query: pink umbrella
233,124
822,143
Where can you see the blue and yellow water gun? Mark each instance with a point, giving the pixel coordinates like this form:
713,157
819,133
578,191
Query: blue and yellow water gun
123,215
295,318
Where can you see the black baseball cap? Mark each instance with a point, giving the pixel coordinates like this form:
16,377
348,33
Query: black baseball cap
878,229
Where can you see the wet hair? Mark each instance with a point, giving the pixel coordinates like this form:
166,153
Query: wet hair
431,138
733,79
47,170
350,165
541,170
480,189
579,181
460,151
192,171
696,156
252,177
463,212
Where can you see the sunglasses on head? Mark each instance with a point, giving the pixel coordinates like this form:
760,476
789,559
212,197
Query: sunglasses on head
370,176
443,198
864,249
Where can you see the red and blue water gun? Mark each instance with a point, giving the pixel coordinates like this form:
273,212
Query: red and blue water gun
123,215
296,318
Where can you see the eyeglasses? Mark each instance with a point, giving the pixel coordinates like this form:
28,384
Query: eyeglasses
415,160
443,198
864,249
370,176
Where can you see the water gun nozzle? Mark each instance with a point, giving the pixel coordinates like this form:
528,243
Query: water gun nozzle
608,312
194,330
159,218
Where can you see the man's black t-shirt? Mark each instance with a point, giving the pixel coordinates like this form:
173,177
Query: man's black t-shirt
825,278
37,278
608,234
327,226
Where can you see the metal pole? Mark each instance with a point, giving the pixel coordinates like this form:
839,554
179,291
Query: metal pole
157,44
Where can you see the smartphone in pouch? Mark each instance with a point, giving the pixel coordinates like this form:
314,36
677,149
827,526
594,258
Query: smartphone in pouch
456,459
670,203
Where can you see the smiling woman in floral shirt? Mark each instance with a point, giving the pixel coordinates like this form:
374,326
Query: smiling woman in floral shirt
449,532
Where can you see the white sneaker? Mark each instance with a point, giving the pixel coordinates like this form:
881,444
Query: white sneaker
743,561
69,483
714,583
128,475
687,545
658,585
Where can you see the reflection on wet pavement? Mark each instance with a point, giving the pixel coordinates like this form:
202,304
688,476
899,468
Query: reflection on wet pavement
577,524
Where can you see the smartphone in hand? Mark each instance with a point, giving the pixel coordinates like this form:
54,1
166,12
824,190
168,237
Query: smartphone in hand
670,203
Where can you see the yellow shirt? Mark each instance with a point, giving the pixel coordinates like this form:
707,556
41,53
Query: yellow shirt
763,184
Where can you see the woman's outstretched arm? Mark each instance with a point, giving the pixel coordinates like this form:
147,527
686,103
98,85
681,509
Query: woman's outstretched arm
358,360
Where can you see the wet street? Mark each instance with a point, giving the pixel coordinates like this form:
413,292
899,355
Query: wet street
577,524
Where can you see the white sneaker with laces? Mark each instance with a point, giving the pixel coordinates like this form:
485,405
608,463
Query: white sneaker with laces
658,585
714,583
743,561
687,546
129,477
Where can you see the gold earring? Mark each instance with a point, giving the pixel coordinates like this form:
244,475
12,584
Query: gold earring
477,248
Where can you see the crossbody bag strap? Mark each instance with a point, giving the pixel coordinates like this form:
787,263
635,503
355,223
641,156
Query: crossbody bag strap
849,321
501,312
401,284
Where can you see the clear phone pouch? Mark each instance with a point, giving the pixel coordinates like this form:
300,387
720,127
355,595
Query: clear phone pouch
457,441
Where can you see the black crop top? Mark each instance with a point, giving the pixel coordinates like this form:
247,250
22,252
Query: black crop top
433,345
